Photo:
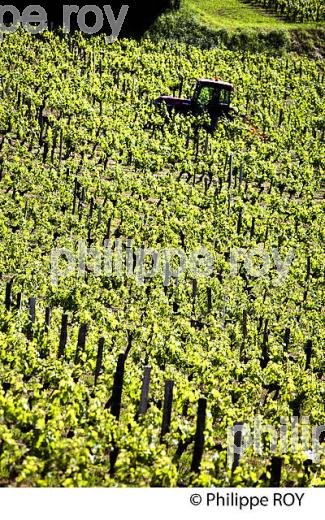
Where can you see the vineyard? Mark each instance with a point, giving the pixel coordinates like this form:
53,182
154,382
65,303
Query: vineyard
260,13
106,381
296,10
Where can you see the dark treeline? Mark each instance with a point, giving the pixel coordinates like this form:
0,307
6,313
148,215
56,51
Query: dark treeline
141,14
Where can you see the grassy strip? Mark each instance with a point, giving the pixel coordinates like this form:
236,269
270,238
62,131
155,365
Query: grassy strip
237,14
188,26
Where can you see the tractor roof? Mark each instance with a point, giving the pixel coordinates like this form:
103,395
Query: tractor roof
219,83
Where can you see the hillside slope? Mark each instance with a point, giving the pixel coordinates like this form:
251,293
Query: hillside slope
239,14
238,25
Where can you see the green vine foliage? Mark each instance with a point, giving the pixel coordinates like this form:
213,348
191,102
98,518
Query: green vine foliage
86,155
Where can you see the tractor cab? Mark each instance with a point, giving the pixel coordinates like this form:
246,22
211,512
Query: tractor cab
213,96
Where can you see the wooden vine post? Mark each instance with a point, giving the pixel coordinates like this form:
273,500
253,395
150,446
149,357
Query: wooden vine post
117,387
63,335
276,469
238,440
143,405
167,411
81,341
199,436
99,358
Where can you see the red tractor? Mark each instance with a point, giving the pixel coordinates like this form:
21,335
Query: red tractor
212,96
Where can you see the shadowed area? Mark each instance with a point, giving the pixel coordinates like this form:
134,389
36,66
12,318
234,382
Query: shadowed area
141,13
